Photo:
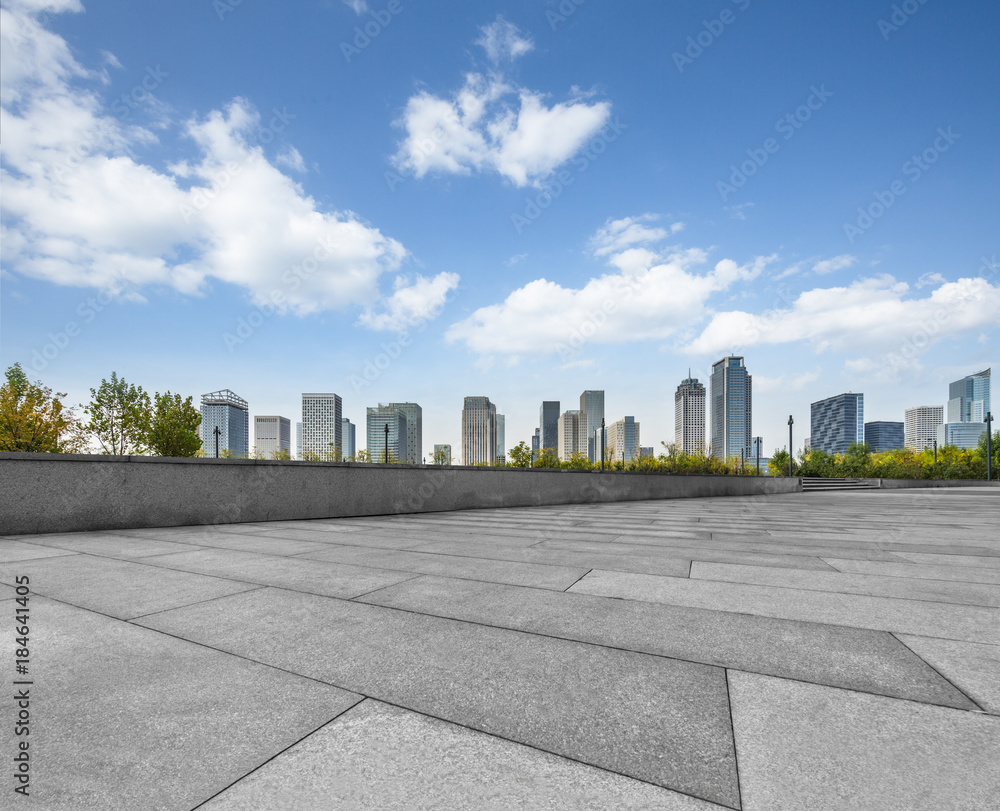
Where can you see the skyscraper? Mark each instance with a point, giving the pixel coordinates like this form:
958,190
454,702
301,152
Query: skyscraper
969,398
689,416
592,405
413,452
272,434
298,440
479,431
883,436
377,419
349,436
837,422
732,408
572,429
623,440
501,437
548,422
230,413
322,426
920,426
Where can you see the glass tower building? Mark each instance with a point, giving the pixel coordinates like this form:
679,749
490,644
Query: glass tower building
548,423
349,436
592,405
230,413
412,451
378,418
883,436
479,431
732,408
837,422
969,398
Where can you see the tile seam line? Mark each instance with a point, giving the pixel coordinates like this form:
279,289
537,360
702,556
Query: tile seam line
904,577
732,729
259,766
197,602
943,676
577,580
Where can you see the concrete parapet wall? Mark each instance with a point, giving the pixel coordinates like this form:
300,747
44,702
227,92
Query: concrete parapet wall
42,492
897,484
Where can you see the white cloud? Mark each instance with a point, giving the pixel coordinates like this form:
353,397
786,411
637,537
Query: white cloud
291,158
412,303
617,235
870,314
845,260
647,296
358,6
515,259
503,41
490,125
930,278
739,212
80,209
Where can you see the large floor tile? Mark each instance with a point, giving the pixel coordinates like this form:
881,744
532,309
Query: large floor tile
972,666
109,545
871,661
977,561
116,587
962,574
377,756
658,720
964,622
802,746
13,551
126,718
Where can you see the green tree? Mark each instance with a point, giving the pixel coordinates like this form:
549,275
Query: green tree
172,429
32,418
440,456
363,456
779,464
547,458
282,455
521,455
119,416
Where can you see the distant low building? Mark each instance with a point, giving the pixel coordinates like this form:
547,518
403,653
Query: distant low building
961,434
271,435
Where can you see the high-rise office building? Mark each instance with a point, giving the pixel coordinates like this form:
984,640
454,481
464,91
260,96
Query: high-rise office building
732,408
413,452
479,431
501,438
230,413
689,416
572,428
349,436
272,434
969,398
322,426
837,422
623,440
920,426
397,438
881,435
548,423
536,440
592,405
442,454
298,440
961,434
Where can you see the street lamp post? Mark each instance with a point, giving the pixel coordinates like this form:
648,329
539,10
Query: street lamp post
217,432
989,446
791,422
387,443
602,443
935,451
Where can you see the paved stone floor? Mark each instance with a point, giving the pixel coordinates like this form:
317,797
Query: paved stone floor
805,651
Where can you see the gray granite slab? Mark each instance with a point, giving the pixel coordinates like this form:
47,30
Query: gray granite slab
12,551
258,541
963,622
313,576
673,567
108,545
963,574
972,666
977,561
804,746
870,661
873,585
376,756
582,701
127,718
116,587
518,574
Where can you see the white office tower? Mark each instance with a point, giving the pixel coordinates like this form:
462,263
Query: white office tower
689,416
413,452
322,436
572,434
349,435
272,434
623,440
479,431
501,438
920,426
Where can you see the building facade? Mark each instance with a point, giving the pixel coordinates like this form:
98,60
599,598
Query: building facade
479,431
548,423
689,416
272,435
349,436
442,454
322,426
572,434
731,400
623,440
837,422
969,398
397,441
230,413
298,440
501,438
413,452
592,405
883,436
962,434
920,426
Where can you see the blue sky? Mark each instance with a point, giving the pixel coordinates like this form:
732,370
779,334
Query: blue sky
522,200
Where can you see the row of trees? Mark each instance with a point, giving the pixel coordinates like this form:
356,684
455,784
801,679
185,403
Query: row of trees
122,418
859,462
